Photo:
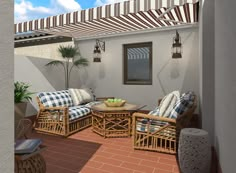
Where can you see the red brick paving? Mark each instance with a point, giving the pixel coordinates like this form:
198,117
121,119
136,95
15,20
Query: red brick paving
87,152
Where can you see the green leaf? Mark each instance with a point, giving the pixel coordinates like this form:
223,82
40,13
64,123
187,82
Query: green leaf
68,51
81,62
21,92
55,62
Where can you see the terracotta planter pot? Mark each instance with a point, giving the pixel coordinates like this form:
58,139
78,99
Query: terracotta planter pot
20,110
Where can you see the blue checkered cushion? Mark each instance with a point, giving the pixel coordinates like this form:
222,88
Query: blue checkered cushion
156,111
154,125
184,104
54,99
90,104
77,112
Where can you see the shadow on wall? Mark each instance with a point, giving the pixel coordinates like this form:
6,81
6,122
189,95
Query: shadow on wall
55,74
191,66
191,75
215,157
171,75
32,70
89,78
181,74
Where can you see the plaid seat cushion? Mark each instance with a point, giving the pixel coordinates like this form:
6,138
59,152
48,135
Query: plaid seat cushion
154,125
54,99
77,112
90,104
183,105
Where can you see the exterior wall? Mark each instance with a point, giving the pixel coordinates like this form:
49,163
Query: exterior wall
182,74
207,66
218,82
106,78
6,87
225,84
48,51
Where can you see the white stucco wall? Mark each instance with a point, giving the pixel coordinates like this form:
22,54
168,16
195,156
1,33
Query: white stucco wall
48,51
107,77
225,84
218,81
6,87
207,66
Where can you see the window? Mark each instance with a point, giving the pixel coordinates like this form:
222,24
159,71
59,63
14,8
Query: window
138,63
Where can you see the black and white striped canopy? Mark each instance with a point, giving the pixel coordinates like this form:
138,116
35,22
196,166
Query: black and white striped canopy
123,17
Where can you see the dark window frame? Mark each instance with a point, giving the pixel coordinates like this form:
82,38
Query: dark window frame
126,81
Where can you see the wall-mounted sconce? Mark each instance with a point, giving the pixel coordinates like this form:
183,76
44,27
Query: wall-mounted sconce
100,45
177,46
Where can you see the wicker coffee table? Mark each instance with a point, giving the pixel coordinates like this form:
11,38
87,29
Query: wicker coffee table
112,121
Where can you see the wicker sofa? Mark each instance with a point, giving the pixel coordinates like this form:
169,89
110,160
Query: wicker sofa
58,115
158,133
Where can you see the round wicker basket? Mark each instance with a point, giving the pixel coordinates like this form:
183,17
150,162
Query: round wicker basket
115,104
34,164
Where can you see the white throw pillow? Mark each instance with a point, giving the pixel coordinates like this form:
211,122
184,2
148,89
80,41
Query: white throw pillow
168,102
86,95
76,96
80,96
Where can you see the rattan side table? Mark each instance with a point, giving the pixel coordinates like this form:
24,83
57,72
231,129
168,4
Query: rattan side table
30,163
112,121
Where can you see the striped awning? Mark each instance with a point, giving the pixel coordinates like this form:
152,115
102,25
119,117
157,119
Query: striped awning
138,53
128,16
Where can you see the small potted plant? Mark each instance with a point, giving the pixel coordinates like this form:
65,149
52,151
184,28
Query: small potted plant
22,96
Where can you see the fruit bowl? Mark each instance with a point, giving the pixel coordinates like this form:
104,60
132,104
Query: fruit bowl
118,103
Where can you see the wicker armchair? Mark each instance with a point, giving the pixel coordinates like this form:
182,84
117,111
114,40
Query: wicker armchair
162,136
55,120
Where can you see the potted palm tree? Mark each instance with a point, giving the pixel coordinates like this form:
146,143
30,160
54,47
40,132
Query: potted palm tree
72,58
22,96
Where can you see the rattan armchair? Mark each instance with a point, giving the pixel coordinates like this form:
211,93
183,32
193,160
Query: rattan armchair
161,136
55,120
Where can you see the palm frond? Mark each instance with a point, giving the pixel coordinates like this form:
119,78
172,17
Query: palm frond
68,51
55,62
81,62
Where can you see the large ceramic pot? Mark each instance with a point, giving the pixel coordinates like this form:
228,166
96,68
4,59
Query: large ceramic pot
20,109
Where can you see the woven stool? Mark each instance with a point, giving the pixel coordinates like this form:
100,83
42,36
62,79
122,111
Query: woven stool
194,151
34,164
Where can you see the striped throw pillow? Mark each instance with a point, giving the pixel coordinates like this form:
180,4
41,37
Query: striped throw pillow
80,96
155,111
76,96
168,102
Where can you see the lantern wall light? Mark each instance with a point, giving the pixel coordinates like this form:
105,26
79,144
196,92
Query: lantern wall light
177,46
99,46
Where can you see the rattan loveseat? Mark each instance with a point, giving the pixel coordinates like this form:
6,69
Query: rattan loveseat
160,133
58,115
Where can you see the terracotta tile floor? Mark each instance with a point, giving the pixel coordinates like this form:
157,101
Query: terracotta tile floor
87,152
